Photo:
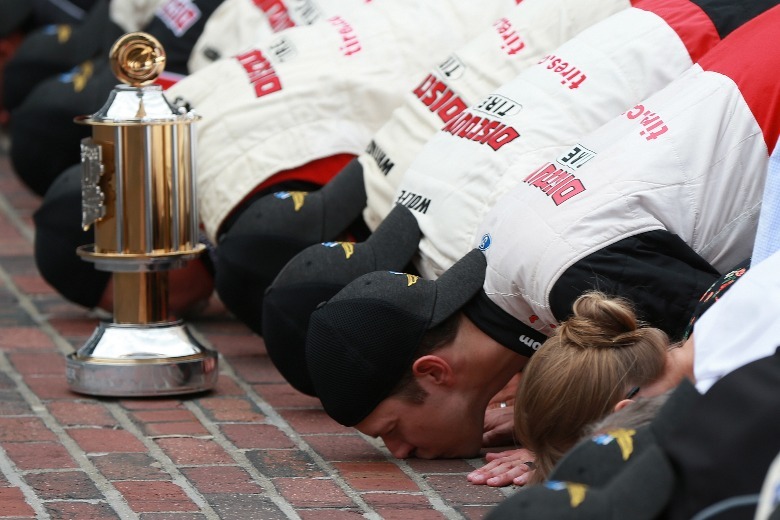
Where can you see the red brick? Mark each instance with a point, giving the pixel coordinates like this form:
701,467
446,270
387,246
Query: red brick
458,490
63,485
75,413
397,500
329,514
255,369
50,387
74,326
440,466
155,496
12,503
232,410
152,404
39,455
153,416
221,479
231,345
375,476
17,407
240,506
226,386
345,448
24,338
186,451
94,440
313,421
174,428
282,395
24,429
129,466
284,463
38,363
262,436
409,514
475,512
80,510
171,516
310,492
32,284
398,506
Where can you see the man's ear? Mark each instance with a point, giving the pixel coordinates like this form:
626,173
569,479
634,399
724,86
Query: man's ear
622,404
436,369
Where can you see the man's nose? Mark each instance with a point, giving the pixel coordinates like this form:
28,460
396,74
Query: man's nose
399,449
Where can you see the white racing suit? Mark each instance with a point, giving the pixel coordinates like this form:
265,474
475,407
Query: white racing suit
315,91
644,205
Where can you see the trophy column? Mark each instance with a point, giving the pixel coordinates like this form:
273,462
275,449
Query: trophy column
138,190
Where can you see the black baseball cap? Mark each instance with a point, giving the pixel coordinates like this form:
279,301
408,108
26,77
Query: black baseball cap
640,491
44,139
363,339
53,50
319,272
271,230
58,232
14,15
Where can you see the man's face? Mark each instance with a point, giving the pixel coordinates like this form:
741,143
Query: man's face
441,427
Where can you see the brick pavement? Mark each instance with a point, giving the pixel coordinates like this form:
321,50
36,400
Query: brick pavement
253,448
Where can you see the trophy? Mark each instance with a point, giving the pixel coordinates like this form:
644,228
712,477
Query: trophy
138,190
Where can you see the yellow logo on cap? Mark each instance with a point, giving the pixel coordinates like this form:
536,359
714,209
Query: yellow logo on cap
577,493
297,197
81,76
625,439
411,279
348,247
63,33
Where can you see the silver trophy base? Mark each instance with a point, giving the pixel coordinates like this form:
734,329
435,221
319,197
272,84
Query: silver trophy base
141,360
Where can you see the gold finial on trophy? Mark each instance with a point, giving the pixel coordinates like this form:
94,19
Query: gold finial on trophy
137,59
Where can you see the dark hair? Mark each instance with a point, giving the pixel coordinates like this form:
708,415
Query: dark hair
434,339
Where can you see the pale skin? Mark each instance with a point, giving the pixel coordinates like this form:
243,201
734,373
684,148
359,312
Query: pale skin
509,467
460,380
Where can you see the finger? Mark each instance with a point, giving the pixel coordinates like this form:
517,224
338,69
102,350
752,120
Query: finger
507,477
523,479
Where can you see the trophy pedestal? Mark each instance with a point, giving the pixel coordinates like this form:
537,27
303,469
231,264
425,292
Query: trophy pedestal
143,361
138,189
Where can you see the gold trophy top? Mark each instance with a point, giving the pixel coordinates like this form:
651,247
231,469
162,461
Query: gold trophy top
137,59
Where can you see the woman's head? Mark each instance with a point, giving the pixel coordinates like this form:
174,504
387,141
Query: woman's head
594,359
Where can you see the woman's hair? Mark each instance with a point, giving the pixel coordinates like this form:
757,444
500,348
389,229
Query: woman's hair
581,372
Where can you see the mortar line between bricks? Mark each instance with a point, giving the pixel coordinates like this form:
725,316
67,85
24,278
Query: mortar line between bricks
9,211
240,457
9,470
113,497
277,420
121,415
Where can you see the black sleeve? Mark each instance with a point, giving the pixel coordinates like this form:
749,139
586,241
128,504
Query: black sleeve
502,326
657,271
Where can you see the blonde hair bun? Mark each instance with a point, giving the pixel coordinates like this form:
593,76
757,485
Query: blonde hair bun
600,321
